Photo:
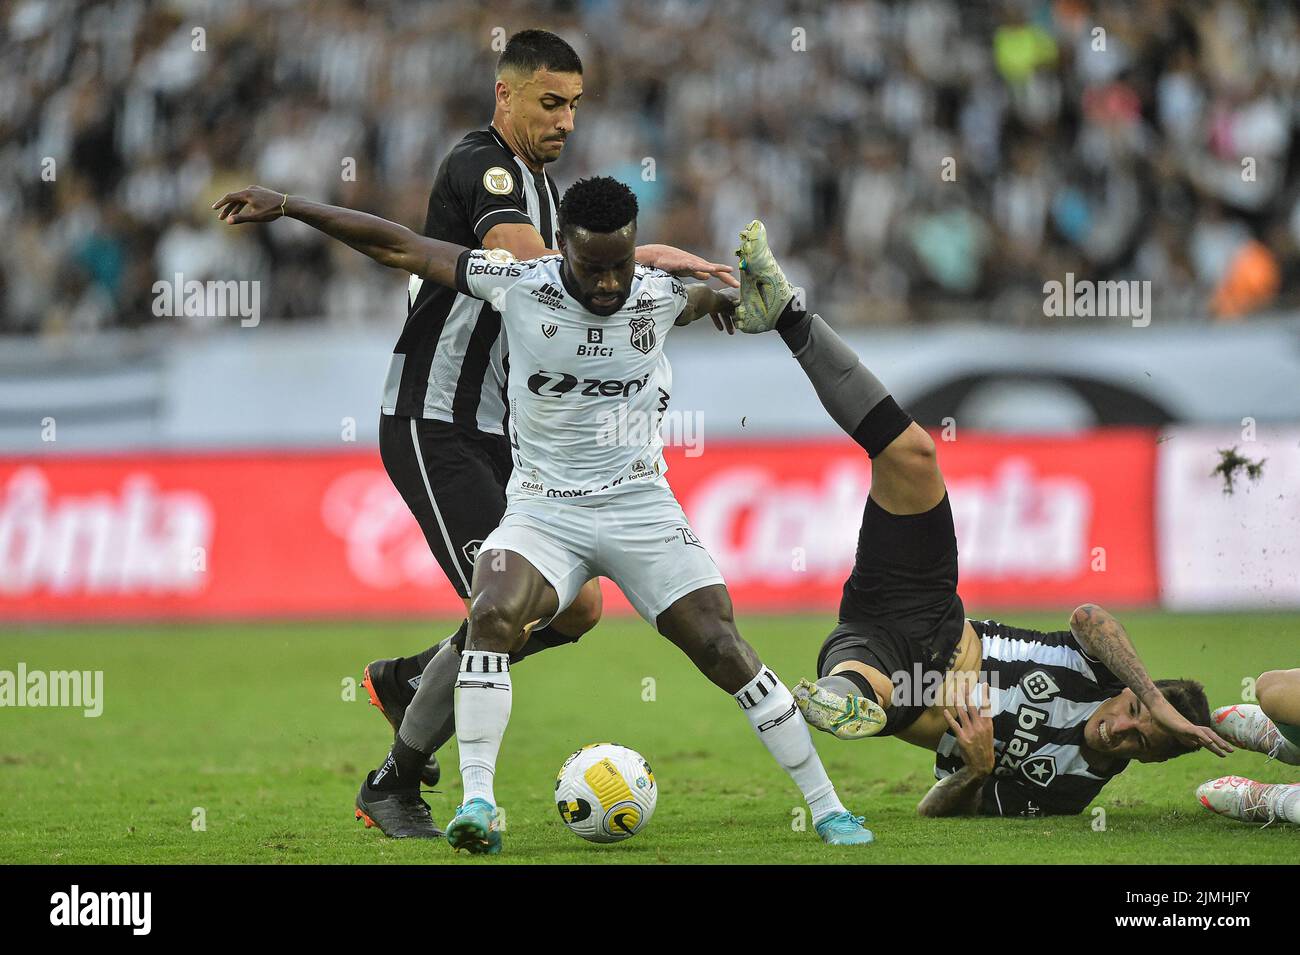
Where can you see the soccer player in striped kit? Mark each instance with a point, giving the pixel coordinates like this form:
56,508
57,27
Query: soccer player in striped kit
1022,723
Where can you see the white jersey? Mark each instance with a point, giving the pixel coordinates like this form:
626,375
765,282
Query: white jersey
586,392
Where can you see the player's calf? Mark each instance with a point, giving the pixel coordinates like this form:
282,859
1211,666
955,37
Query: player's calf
905,477
701,625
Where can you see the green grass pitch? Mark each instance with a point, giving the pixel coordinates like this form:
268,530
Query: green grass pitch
250,725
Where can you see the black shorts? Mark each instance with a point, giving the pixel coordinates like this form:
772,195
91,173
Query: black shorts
453,479
900,612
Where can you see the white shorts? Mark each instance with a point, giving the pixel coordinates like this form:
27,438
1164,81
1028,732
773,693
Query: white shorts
639,538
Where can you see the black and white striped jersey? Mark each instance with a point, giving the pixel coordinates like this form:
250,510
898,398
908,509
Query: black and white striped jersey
450,361
1043,688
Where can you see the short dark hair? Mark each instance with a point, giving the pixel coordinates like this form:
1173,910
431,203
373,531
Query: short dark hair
1188,698
599,204
531,50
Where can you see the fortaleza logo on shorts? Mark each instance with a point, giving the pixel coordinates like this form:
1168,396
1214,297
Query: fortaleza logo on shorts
179,298
75,907
1085,298
77,689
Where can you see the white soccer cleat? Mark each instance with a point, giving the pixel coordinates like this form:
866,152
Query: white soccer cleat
764,291
1247,726
844,717
1249,801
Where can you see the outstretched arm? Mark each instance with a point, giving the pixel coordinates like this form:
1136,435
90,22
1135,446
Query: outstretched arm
1103,637
386,242
684,264
523,241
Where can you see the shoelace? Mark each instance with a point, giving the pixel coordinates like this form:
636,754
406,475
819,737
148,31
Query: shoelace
1254,799
845,816
417,810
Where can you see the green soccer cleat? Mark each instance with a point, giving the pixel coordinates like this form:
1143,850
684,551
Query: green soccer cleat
844,829
844,717
764,291
474,829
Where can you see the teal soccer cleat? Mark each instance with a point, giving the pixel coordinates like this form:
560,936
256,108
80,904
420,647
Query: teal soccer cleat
474,829
844,829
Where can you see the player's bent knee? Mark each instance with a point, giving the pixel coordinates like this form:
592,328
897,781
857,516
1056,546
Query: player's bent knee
1273,683
915,450
494,625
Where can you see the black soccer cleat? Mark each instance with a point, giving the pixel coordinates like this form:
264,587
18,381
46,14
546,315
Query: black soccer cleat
393,696
398,814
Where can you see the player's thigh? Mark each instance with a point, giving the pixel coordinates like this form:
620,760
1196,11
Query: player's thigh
584,613
647,547
449,480
553,541
904,577
509,593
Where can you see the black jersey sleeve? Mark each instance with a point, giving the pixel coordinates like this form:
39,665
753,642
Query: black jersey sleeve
485,180
1109,682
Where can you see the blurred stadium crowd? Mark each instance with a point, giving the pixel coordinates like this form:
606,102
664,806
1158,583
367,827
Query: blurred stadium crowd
916,161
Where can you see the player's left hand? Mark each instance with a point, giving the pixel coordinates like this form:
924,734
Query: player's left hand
725,304
684,264
1184,730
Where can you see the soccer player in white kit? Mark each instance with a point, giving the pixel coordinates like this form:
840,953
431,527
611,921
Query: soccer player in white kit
588,382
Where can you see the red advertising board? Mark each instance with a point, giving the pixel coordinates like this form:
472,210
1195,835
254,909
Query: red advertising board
1040,522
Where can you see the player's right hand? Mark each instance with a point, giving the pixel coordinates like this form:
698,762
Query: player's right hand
974,731
254,204
1185,731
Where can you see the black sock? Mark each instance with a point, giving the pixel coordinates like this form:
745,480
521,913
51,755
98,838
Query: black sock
401,769
539,639
408,668
794,325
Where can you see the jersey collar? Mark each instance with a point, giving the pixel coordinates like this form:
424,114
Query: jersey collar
496,134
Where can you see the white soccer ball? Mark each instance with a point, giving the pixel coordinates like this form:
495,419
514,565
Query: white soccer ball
606,792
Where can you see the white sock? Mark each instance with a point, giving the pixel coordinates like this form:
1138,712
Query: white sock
781,727
1286,802
482,711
